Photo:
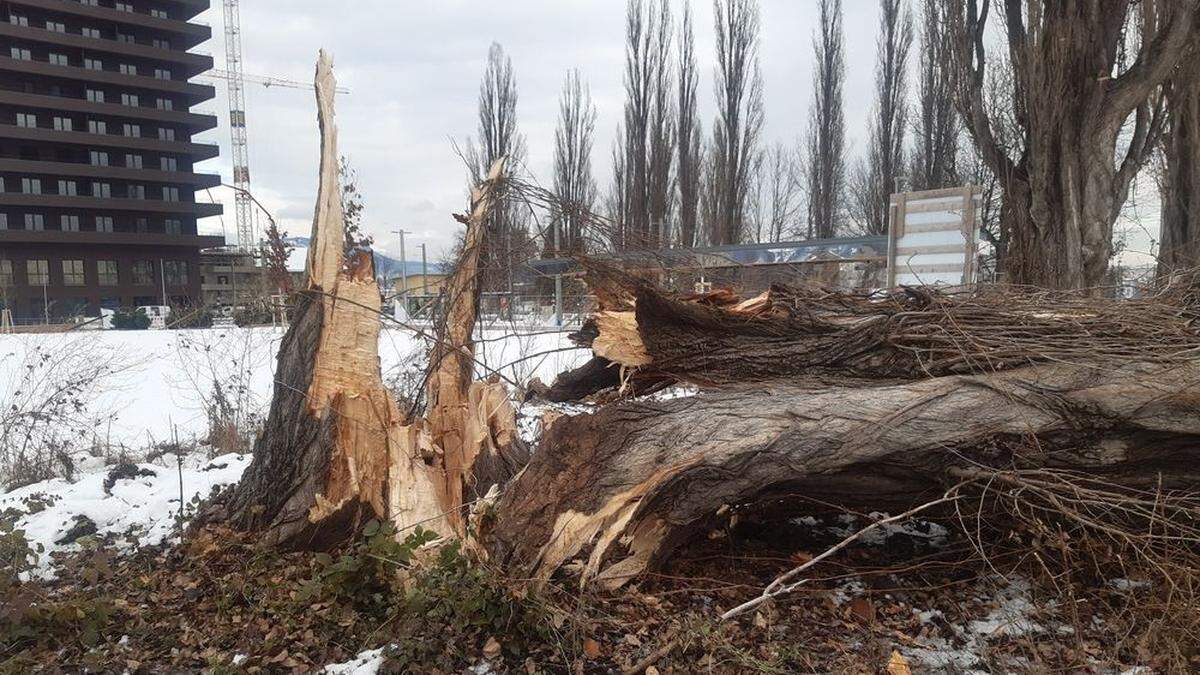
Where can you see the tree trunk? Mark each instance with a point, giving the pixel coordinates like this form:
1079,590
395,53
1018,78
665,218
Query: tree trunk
334,452
1060,207
627,485
1180,246
1073,90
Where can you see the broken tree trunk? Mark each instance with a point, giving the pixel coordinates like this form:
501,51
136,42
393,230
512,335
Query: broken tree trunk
650,336
627,485
334,451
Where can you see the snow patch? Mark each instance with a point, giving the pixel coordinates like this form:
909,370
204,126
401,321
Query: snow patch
366,663
145,506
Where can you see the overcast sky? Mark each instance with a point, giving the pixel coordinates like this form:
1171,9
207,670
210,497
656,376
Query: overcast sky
413,69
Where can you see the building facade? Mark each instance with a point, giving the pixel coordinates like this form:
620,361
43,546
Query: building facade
232,277
97,189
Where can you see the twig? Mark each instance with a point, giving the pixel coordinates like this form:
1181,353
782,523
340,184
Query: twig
777,587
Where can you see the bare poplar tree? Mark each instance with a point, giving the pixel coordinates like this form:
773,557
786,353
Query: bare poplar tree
649,125
739,117
1179,247
1074,93
891,83
934,162
690,148
876,180
573,184
826,167
661,140
507,237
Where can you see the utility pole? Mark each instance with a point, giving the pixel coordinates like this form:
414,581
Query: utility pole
558,286
403,270
424,272
162,279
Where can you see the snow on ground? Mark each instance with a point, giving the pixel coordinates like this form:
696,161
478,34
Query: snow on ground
163,378
1010,612
141,501
156,390
366,663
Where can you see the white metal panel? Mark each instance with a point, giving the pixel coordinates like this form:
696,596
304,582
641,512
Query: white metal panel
933,237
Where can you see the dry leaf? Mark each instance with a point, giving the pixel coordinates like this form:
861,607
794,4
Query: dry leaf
863,609
591,648
801,557
651,670
898,665
491,648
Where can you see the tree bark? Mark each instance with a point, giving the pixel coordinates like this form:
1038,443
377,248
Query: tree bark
1063,188
1180,241
625,486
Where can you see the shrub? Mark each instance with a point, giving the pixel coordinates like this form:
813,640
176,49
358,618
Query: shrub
16,555
190,317
130,319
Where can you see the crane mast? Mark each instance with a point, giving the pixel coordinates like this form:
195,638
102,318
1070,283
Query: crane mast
239,143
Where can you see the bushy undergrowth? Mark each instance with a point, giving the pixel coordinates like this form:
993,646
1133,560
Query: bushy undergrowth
193,607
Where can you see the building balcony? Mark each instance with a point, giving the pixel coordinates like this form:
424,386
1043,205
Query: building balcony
25,167
191,64
110,238
195,121
197,151
196,92
197,209
188,9
188,34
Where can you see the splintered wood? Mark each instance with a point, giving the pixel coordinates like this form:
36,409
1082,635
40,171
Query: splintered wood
335,450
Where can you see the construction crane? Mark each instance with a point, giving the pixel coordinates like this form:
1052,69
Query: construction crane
268,82
236,81
240,144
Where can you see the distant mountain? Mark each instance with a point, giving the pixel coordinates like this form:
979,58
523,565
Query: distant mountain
385,265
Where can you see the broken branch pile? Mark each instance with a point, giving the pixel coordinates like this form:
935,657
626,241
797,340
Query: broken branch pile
789,332
844,398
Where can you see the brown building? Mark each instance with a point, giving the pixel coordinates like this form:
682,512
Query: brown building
97,206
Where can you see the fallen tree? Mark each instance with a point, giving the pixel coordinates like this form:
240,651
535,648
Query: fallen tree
628,484
806,396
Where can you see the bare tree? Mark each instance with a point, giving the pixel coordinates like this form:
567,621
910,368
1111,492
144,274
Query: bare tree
876,179
506,233
649,125
615,203
573,183
934,161
739,118
774,200
826,168
689,164
1074,92
660,153
1180,185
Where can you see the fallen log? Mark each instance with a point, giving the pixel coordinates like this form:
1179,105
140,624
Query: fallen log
796,332
626,485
